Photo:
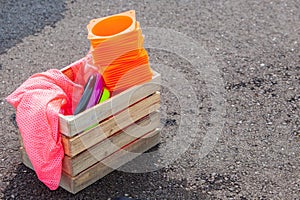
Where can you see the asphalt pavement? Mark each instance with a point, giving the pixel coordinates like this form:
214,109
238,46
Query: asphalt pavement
230,83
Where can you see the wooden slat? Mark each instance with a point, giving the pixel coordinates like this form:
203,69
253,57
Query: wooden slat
81,142
115,161
25,158
109,164
72,125
74,165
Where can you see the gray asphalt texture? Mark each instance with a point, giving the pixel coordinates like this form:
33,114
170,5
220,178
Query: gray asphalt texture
255,46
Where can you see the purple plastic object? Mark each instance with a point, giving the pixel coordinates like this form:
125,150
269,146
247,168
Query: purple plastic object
97,92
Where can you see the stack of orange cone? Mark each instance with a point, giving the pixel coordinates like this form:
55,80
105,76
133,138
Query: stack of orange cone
117,48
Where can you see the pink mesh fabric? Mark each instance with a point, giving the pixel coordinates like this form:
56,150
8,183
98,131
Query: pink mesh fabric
38,101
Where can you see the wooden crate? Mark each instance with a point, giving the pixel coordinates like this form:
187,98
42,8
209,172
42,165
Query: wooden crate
128,125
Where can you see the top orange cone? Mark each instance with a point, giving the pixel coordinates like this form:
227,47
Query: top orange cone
117,48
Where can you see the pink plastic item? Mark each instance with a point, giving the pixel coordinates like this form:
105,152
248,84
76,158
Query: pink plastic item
97,92
38,101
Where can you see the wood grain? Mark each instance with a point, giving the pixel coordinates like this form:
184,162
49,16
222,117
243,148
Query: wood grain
74,124
108,127
74,165
107,165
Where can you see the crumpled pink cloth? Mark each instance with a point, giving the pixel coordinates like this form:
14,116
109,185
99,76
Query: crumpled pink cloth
38,101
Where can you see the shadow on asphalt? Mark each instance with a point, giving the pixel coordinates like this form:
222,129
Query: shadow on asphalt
21,18
25,185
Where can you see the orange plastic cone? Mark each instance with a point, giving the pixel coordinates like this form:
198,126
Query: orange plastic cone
117,48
